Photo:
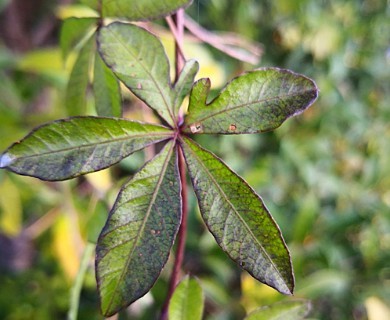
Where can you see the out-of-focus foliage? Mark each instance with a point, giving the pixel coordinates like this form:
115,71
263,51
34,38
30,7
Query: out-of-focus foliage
325,175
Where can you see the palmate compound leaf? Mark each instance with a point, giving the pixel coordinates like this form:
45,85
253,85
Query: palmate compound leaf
141,10
137,238
238,219
67,148
257,101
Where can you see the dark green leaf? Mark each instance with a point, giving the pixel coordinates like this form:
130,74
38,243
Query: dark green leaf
141,10
76,90
138,236
285,310
184,84
138,59
238,219
258,101
106,90
187,301
73,30
67,148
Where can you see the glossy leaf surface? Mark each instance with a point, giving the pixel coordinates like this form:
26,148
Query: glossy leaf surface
238,219
137,238
257,101
184,84
67,148
106,90
138,59
187,301
290,310
141,10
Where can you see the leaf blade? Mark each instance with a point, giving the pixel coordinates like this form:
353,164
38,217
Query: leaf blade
138,59
76,90
187,301
238,219
67,148
127,269
257,101
184,83
73,30
142,10
106,90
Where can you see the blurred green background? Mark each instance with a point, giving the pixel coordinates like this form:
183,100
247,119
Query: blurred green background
324,175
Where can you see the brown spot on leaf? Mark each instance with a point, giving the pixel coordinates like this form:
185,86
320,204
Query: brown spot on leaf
232,127
196,127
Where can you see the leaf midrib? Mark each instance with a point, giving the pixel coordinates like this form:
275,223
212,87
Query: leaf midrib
90,145
141,229
239,216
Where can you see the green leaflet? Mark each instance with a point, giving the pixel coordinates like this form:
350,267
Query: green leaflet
184,84
73,30
141,10
257,101
67,148
238,219
290,310
106,90
138,59
76,90
137,238
187,301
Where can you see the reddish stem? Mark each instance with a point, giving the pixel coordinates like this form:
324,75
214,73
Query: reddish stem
181,236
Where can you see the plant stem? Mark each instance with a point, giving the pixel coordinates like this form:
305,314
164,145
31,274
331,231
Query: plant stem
181,237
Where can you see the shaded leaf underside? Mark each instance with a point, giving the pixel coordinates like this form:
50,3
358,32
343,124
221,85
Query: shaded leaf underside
257,101
137,238
238,219
67,148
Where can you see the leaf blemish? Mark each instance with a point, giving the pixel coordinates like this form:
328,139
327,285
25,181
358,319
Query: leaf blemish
232,127
196,127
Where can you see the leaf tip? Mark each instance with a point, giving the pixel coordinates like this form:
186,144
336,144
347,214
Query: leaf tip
5,160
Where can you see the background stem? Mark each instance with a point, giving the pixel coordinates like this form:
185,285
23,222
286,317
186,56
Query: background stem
181,237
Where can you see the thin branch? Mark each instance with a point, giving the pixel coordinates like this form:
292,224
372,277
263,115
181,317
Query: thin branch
228,43
178,36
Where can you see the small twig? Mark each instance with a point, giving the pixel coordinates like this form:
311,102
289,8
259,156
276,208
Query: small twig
228,43
178,35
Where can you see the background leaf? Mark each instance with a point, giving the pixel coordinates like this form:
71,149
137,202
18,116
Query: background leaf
285,310
76,91
238,219
141,10
73,30
138,59
257,101
137,238
106,90
67,148
187,301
